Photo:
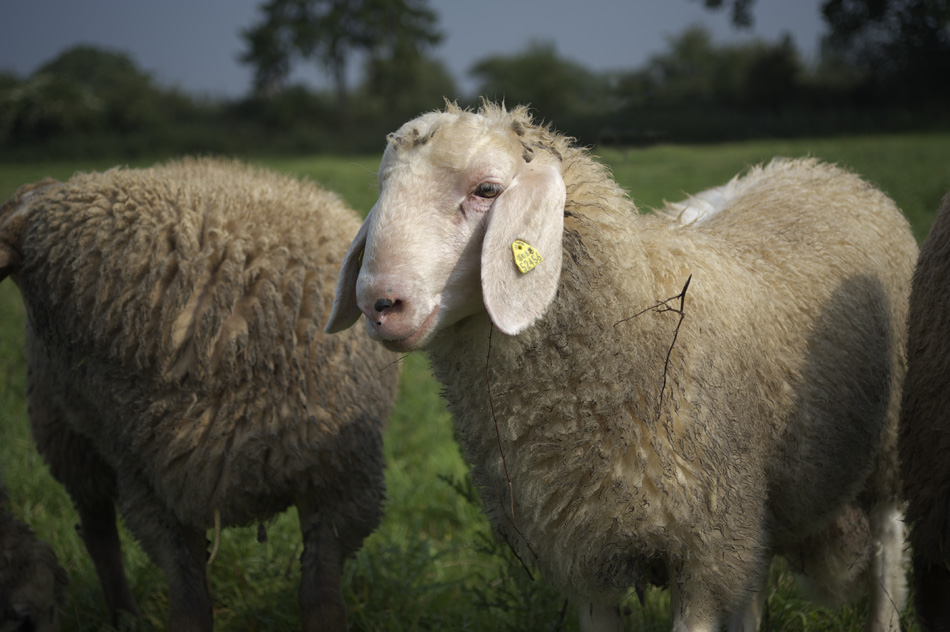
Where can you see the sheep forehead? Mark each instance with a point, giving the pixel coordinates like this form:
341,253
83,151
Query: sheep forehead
450,145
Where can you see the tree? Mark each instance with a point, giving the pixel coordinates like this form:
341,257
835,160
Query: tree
697,73
397,89
329,32
128,96
46,106
540,77
741,10
84,89
901,46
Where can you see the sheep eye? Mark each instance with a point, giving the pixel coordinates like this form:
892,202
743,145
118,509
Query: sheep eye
487,190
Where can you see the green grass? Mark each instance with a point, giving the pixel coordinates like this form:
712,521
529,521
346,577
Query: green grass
433,563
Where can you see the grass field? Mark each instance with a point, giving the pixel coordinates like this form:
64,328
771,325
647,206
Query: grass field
432,565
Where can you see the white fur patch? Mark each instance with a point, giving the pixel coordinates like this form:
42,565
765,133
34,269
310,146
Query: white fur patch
700,207
889,583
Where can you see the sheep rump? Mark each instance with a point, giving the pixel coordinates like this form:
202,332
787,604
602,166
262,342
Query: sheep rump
650,431
925,426
176,365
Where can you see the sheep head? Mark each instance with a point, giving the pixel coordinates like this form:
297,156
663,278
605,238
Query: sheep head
14,218
468,201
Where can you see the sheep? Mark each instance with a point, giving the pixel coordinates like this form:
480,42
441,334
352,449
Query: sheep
641,398
925,427
176,369
32,582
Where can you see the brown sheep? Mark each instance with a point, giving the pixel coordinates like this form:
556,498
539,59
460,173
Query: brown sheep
177,367
925,426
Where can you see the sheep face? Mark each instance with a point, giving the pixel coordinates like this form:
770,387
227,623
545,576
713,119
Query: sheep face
464,208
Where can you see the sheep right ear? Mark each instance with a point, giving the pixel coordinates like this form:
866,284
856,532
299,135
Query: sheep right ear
526,219
9,260
345,310
11,235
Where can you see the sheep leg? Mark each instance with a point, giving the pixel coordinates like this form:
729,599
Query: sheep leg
753,612
600,618
322,606
183,559
89,481
699,605
189,599
178,549
888,582
101,537
686,619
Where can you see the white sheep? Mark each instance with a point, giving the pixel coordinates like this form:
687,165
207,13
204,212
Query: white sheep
643,399
32,583
176,366
925,427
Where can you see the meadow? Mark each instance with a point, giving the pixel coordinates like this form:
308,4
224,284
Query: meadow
432,564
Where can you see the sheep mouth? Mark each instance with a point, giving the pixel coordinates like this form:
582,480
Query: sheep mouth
416,339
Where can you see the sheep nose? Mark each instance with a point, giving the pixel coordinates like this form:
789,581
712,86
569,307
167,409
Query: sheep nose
384,310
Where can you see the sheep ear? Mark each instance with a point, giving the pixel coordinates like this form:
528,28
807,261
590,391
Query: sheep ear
528,217
9,260
12,227
14,219
345,310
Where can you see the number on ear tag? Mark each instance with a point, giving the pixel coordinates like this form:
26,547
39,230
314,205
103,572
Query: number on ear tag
526,256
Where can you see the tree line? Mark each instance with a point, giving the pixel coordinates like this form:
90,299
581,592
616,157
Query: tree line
883,65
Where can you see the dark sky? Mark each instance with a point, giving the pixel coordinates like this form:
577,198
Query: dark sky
194,44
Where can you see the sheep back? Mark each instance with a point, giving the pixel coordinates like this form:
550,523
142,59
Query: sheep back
173,313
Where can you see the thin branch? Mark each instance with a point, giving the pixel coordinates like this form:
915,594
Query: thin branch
504,461
491,405
666,365
681,296
660,307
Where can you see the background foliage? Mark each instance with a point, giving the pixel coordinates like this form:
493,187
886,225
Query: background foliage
883,67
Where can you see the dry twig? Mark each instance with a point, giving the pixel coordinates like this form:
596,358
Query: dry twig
660,307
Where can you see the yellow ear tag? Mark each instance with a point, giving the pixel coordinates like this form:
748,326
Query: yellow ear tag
526,257
359,260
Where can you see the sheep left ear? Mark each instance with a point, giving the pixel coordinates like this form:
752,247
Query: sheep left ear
529,211
345,310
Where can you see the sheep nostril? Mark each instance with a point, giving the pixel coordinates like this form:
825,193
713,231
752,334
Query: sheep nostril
382,304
